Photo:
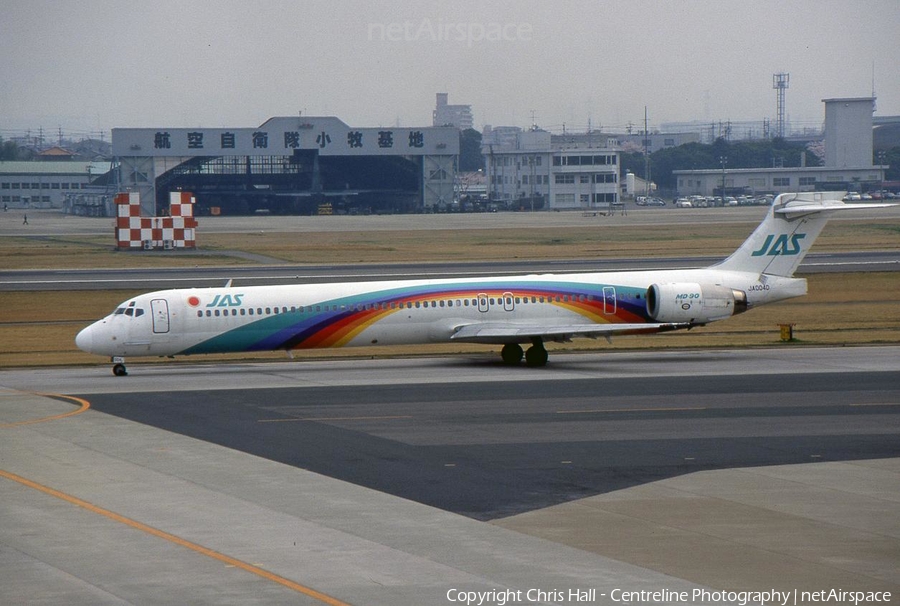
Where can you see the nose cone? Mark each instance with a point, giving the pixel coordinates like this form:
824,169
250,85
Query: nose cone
84,340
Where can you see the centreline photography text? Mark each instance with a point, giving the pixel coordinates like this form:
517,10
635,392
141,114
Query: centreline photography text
698,595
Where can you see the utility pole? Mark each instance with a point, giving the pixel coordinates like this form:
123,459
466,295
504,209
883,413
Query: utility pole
646,155
723,160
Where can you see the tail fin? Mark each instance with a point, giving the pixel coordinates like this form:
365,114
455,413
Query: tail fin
787,233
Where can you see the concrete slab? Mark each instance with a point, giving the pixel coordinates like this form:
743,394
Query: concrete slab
808,527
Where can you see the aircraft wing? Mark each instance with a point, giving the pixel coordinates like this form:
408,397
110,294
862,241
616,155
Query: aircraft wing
494,332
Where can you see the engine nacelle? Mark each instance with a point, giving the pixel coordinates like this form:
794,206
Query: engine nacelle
694,303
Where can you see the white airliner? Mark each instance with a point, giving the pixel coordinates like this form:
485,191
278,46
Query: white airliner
510,311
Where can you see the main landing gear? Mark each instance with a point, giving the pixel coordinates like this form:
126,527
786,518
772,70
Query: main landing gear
119,367
536,355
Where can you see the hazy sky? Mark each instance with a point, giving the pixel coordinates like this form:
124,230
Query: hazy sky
91,65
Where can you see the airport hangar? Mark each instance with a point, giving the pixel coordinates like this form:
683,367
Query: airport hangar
290,165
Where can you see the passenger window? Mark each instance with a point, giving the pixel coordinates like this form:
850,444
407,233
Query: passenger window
217,313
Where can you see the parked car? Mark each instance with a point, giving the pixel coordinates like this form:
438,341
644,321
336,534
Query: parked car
682,203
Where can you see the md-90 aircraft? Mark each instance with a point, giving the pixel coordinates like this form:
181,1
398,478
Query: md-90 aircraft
509,311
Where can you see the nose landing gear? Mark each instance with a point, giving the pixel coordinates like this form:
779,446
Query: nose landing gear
119,367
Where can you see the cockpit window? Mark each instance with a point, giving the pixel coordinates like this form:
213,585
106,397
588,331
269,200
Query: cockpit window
130,311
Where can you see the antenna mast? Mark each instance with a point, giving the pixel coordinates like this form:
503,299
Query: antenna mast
780,82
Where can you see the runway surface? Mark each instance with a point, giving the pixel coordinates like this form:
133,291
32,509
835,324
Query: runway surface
771,468
105,279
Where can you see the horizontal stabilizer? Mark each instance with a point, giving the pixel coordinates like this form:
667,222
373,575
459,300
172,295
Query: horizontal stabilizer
792,210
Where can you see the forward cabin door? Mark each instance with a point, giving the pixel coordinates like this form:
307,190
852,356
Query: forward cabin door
159,308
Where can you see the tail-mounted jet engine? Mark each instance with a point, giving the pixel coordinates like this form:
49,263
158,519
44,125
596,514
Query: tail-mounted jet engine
694,303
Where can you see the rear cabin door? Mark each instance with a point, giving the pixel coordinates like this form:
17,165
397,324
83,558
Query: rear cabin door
609,300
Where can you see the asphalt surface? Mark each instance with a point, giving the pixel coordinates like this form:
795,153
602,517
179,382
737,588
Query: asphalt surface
497,448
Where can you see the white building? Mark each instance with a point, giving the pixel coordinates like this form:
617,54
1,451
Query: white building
45,184
532,169
445,114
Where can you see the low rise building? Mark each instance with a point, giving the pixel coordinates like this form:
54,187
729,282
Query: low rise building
46,184
776,180
532,169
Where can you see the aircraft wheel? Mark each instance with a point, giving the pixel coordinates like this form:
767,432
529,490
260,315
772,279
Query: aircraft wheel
511,353
536,356
119,370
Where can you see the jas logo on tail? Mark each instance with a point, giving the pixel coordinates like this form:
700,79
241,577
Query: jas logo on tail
226,301
782,245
